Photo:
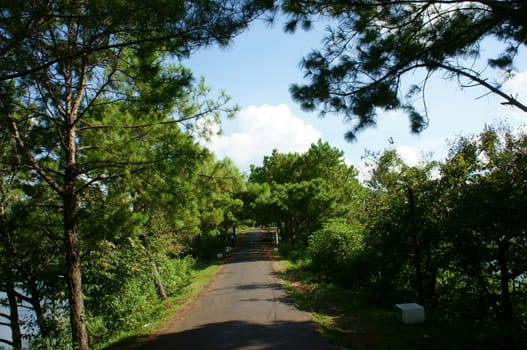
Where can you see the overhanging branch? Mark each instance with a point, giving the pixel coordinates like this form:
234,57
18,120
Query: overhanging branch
508,98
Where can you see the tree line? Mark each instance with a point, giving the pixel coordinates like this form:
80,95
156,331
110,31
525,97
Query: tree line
448,234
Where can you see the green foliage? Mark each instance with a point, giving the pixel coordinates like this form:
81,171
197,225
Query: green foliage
468,225
335,251
211,245
299,192
133,302
373,45
177,273
449,235
352,321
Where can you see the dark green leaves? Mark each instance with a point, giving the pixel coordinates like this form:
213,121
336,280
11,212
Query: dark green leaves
374,44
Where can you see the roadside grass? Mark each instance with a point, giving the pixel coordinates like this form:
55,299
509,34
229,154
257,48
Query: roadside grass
134,338
352,321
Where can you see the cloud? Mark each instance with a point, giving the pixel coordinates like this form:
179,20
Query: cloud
408,155
260,130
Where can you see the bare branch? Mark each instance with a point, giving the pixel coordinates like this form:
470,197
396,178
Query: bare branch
5,341
510,100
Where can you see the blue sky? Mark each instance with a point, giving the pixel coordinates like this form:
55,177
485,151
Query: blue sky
257,69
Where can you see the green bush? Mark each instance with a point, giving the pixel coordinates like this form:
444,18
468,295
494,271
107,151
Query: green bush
336,252
136,302
211,245
287,250
176,274
132,306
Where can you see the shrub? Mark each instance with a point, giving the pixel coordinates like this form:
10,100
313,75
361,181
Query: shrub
176,274
336,252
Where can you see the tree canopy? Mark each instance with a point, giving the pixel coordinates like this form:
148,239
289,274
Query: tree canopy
81,82
177,28
373,45
300,192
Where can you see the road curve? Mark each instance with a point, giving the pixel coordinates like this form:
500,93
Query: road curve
244,307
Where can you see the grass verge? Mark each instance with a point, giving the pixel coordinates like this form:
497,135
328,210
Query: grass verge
137,337
351,321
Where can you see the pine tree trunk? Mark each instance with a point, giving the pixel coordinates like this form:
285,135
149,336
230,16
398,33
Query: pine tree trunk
37,307
73,262
71,236
14,318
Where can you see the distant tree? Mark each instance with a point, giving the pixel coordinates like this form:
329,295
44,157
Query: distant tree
375,44
301,191
217,185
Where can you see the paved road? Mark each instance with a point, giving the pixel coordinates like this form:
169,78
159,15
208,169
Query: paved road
243,308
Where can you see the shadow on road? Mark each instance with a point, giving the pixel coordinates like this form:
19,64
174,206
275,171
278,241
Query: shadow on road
242,335
251,247
244,308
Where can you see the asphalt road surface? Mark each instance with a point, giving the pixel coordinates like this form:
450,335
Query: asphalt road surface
244,307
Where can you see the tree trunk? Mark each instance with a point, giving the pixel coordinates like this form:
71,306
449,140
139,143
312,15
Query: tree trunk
14,318
158,282
72,247
157,277
37,307
73,262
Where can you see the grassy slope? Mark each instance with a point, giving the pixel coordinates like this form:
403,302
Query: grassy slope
353,322
136,337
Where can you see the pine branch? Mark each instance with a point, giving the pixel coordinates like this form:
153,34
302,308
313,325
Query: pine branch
508,98
5,341
29,156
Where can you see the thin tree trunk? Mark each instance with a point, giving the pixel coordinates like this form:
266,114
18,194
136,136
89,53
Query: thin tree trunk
157,277
158,282
73,262
14,318
37,307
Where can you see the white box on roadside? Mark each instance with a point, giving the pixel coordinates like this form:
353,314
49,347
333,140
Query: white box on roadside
410,313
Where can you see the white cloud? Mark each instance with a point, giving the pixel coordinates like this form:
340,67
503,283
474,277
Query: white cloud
408,155
260,130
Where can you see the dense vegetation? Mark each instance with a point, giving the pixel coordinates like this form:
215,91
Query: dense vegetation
108,201
153,202
449,235
101,175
